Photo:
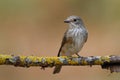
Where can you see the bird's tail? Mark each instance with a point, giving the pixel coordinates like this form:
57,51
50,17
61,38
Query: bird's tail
57,69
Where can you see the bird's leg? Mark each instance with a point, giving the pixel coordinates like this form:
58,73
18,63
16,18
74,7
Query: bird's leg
78,55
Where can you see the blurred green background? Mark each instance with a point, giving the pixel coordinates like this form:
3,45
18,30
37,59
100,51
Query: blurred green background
35,27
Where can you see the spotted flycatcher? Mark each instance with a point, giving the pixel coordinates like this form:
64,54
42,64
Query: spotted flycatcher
73,40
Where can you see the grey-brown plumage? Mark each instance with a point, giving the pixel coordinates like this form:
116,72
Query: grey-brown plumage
73,40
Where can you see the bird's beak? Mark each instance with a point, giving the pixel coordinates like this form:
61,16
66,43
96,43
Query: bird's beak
66,21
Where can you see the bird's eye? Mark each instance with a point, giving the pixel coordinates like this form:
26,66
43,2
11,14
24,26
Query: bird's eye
75,20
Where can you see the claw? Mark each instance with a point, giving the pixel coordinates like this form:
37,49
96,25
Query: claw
70,57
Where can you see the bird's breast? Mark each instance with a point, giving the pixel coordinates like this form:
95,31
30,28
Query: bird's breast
78,38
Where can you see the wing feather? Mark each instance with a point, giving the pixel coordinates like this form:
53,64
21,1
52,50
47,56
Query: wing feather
62,44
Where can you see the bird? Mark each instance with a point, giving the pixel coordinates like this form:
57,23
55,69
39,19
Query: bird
73,40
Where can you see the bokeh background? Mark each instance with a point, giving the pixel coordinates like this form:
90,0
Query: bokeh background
35,27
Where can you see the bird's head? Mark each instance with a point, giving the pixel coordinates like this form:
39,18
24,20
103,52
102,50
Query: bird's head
74,21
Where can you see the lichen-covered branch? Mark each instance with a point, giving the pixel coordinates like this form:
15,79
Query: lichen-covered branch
107,62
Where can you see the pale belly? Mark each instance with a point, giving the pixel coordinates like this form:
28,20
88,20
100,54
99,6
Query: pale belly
75,46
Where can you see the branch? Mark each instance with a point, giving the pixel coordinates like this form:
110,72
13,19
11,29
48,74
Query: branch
107,62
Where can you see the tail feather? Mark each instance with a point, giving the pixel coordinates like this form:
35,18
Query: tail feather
57,69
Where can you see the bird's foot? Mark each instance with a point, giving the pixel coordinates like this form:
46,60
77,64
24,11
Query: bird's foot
70,57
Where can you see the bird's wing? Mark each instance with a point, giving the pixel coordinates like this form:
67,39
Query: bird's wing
86,36
62,44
